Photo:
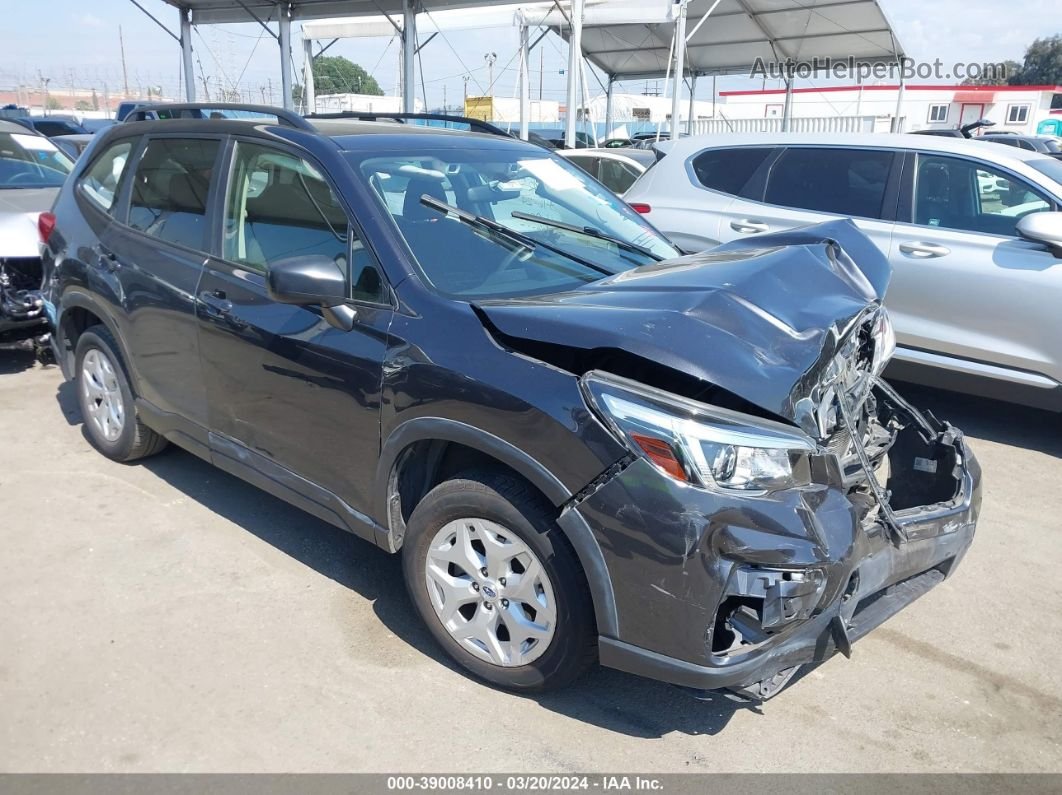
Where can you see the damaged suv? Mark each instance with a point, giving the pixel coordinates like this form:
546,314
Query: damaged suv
463,349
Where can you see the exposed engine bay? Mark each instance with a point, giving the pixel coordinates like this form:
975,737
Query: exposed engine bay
22,314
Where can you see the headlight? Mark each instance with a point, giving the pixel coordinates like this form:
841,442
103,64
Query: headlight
884,341
704,445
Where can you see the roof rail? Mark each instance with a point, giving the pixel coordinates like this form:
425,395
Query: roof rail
158,111
474,125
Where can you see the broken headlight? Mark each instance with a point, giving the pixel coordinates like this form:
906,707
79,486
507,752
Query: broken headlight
704,445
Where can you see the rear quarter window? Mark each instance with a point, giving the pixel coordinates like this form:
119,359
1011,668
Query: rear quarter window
729,170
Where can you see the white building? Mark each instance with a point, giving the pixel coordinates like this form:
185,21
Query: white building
366,103
640,108
1019,109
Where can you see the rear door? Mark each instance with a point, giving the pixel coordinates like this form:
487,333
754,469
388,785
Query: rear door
807,185
964,284
156,254
284,385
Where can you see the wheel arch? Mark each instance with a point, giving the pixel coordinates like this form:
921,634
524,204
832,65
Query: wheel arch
423,451
79,312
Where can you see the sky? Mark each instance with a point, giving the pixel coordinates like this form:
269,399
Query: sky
74,43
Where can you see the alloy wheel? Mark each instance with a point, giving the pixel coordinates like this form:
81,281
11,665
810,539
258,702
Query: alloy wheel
102,395
490,592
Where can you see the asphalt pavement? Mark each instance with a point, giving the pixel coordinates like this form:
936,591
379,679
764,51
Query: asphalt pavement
166,616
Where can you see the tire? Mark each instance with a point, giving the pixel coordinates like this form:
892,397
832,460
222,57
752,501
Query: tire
513,514
118,434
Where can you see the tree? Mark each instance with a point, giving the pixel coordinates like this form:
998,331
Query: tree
338,75
1043,64
54,104
992,77
83,104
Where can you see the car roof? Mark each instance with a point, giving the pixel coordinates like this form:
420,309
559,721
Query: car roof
349,134
645,157
926,143
14,126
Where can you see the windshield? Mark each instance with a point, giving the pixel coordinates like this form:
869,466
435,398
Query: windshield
31,161
1050,167
520,190
1051,145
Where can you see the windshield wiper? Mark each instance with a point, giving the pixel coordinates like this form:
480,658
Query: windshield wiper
502,231
589,231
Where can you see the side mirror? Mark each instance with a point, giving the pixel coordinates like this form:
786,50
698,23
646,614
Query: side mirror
309,279
1045,228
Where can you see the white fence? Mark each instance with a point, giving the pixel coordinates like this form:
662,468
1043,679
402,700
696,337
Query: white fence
799,124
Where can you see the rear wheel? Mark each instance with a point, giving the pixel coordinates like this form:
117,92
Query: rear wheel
497,583
106,400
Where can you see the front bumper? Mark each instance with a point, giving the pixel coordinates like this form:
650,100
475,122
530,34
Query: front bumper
686,564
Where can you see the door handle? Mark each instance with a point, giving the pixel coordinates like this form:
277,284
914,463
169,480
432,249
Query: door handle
749,226
216,303
922,250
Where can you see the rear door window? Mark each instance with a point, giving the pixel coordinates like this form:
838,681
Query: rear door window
729,170
100,182
849,182
170,190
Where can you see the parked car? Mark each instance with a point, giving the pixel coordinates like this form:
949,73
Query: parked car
961,132
51,126
555,137
975,290
31,171
616,169
1044,144
463,349
96,125
73,145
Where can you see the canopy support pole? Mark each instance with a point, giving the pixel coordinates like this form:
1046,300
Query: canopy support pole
897,121
680,67
525,77
285,55
787,109
609,110
309,92
186,55
575,54
693,93
409,50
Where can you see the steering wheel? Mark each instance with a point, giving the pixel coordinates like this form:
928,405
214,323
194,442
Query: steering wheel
23,177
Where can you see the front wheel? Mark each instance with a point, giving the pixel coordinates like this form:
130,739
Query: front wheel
497,583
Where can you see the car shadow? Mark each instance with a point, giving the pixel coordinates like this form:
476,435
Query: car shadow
15,358
609,699
993,420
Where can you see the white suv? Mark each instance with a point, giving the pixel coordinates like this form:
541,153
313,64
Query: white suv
977,307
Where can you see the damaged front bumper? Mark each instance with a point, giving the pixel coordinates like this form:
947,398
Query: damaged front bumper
723,591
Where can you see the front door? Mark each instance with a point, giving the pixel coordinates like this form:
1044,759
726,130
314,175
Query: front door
285,386
964,285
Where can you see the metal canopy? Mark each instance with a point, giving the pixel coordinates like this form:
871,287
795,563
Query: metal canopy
737,33
214,12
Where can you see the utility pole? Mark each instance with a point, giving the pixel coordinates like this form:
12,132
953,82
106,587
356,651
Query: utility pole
541,70
44,91
466,78
490,58
444,99
125,74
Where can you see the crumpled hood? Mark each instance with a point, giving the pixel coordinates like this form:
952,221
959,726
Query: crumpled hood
760,317
18,219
